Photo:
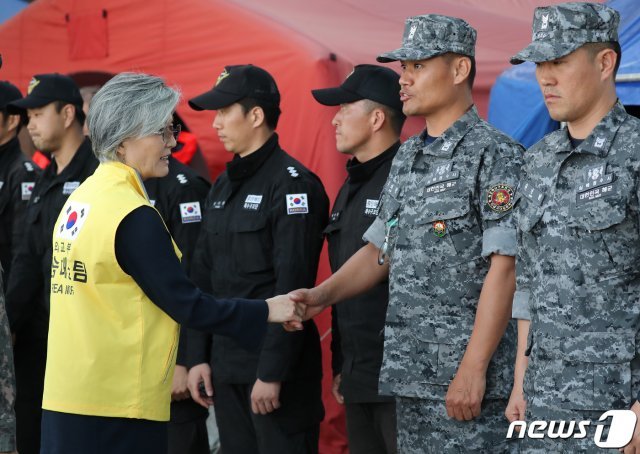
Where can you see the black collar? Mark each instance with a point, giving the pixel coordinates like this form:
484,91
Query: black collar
361,171
75,167
241,168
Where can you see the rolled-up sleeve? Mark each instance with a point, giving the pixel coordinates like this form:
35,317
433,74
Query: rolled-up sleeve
498,180
375,233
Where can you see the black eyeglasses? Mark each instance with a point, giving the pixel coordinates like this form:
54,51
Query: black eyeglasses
170,131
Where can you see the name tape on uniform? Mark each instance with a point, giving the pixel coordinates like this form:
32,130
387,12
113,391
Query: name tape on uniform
190,212
70,186
252,202
371,207
297,204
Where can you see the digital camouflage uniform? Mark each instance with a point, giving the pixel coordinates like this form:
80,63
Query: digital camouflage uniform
446,208
577,271
7,382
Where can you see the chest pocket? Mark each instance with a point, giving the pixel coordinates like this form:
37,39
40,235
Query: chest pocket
251,243
445,228
603,231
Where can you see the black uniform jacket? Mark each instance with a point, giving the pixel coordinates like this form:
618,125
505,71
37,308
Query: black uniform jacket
262,236
179,198
17,178
28,289
358,323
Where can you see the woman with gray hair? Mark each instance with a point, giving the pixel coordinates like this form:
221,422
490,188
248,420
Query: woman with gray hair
117,287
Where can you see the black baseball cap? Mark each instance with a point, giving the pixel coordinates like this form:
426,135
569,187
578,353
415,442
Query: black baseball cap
373,82
8,93
235,83
45,89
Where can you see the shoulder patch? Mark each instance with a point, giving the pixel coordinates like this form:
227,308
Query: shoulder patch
500,197
190,212
297,204
27,189
75,215
293,172
182,178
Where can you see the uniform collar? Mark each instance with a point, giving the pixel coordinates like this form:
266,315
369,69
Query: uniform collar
599,141
444,145
241,168
78,162
362,171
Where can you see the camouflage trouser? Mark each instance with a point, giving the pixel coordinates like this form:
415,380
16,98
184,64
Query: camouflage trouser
540,410
424,427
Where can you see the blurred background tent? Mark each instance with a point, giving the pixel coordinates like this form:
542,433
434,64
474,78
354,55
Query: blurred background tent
304,44
516,104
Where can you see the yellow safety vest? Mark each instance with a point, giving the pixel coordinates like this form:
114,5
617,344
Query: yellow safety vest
111,350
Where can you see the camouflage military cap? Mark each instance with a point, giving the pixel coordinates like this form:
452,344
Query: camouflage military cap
431,35
560,29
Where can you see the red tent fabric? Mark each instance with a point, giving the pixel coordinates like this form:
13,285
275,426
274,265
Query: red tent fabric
304,44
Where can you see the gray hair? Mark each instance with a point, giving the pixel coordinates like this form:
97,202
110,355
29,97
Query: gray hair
131,105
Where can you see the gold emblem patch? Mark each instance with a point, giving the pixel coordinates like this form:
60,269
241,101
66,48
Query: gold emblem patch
500,197
223,75
32,84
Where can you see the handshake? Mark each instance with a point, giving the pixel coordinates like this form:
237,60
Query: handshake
295,307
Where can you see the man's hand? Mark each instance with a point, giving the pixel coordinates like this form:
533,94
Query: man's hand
516,406
634,445
200,374
335,389
179,386
283,310
265,397
465,394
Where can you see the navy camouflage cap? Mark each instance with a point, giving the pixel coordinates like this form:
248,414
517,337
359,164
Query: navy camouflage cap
561,29
431,35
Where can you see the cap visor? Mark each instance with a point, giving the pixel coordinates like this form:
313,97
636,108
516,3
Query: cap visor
335,96
541,51
405,53
213,100
30,102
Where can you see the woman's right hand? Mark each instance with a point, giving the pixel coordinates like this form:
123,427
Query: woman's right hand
284,310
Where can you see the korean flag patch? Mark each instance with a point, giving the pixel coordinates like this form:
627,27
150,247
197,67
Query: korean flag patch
26,189
190,212
73,218
297,204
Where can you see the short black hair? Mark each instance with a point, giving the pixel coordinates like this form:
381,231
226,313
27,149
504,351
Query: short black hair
5,118
271,111
594,48
394,118
80,117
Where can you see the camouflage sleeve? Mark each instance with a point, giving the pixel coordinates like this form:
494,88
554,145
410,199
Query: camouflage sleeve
375,233
7,382
520,308
497,182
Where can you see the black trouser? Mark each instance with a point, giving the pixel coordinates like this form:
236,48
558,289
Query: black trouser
190,437
65,433
371,427
30,357
243,432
